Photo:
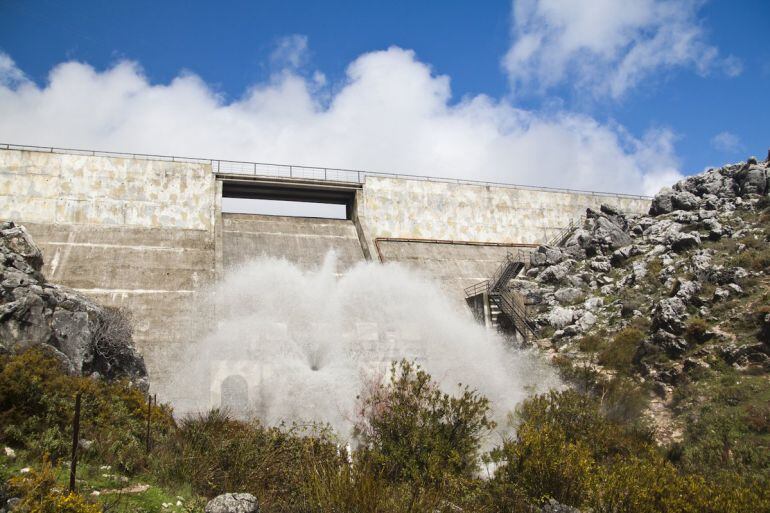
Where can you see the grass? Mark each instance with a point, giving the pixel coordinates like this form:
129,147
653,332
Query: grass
93,477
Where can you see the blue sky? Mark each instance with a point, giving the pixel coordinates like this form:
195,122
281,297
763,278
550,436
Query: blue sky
515,82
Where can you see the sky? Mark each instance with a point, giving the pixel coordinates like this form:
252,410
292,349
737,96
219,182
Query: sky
604,95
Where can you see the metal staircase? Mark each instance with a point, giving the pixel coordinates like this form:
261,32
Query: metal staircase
493,294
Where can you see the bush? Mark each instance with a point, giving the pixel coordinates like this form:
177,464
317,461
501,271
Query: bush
696,331
38,493
762,317
566,449
545,463
590,343
37,403
411,431
215,454
619,354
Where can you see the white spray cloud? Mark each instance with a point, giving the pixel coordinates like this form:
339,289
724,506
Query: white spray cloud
607,46
391,113
304,343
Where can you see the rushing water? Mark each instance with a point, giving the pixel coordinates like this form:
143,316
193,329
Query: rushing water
289,344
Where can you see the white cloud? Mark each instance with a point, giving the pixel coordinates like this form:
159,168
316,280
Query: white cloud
606,46
390,114
727,142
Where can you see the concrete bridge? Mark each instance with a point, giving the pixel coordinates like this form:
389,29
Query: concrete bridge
145,232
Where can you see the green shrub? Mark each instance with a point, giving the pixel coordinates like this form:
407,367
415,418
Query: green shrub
545,463
762,317
619,354
566,449
37,403
215,454
696,330
654,268
39,494
411,431
590,343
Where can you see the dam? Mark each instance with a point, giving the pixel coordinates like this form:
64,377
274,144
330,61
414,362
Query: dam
146,232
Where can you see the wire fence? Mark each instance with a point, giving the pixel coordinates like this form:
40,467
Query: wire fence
301,172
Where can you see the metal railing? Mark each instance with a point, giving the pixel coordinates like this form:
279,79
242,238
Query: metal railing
510,303
565,232
493,284
301,172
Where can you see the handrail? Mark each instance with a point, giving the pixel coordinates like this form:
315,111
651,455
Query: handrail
509,303
295,171
517,314
492,285
563,233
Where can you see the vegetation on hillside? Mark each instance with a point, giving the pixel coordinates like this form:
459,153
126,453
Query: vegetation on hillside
418,450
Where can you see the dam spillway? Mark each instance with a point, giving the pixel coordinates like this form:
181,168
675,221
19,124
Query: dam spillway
147,233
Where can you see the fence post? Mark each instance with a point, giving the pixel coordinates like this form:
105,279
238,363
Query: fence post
75,439
149,414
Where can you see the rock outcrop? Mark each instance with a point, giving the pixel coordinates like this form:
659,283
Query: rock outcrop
658,271
89,339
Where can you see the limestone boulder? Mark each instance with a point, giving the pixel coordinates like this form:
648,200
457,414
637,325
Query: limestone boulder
669,315
684,241
556,273
560,317
233,503
752,179
569,295
85,336
17,241
663,202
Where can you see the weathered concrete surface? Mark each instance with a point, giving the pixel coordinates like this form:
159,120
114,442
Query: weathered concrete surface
455,266
138,234
302,241
39,187
416,209
147,234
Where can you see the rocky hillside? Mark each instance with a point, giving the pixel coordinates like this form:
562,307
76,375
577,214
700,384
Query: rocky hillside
669,312
89,339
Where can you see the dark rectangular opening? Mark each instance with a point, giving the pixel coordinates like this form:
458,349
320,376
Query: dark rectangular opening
287,199
283,208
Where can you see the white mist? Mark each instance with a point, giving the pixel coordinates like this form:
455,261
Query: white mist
294,345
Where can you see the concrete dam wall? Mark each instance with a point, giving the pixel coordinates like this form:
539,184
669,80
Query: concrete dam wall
301,240
146,234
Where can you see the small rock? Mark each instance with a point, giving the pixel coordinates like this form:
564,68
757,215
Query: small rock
593,303
568,295
684,241
560,317
586,321
600,266
233,503
10,453
721,294
556,273
669,314
687,290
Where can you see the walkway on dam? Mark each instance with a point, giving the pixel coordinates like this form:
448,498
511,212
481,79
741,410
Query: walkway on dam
293,172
